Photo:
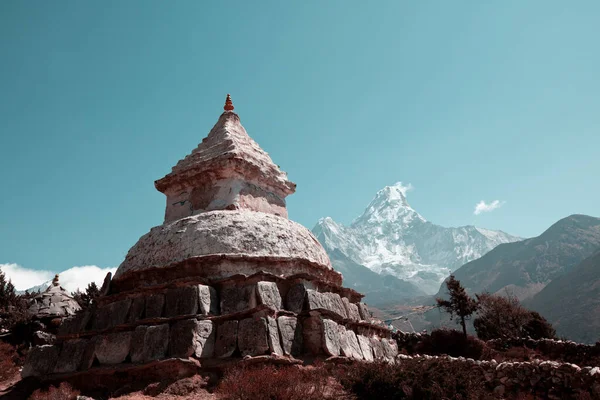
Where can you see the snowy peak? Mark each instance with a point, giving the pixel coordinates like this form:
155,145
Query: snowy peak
390,205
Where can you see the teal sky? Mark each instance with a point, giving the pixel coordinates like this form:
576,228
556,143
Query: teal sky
466,101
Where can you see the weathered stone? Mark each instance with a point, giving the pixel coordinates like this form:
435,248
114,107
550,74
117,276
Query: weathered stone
105,288
356,351
377,346
40,361
290,332
312,334
155,304
89,354
191,337
390,348
364,312
71,355
226,340
41,338
149,343
330,302
345,349
351,310
208,300
253,336
274,342
112,314
76,323
113,348
365,347
267,293
295,297
54,302
181,301
331,337
235,299
136,311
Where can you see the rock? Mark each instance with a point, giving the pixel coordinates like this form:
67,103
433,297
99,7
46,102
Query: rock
390,348
113,348
181,301
40,361
336,305
71,355
378,352
351,310
41,338
364,312
331,302
253,336
155,304
105,288
352,340
136,311
208,300
294,300
291,335
226,340
235,299
149,343
111,314
267,293
365,346
191,337
89,354
345,349
274,342
312,334
331,337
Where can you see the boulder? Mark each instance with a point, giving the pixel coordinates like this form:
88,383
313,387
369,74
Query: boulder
89,354
365,347
312,334
191,337
136,311
377,346
294,299
41,338
267,294
351,310
75,324
390,348
331,337
113,348
111,314
235,299
40,361
155,304
253,336
208,300
226,339
181,301
149,343
331,302
291,335
71,355
364,312
274,342
352,339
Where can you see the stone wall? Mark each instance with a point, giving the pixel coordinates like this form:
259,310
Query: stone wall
236,319
569,351
543,379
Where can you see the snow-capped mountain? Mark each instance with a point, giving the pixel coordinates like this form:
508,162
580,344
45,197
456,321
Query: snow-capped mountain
391,238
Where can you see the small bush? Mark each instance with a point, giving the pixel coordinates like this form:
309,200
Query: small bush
63,392
453,343
414,379
9,359
271,383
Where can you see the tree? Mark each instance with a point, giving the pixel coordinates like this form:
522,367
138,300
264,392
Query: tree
460,303
8,296
501,317
86,298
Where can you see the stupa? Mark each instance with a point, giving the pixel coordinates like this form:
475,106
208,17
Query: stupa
54,302
227,278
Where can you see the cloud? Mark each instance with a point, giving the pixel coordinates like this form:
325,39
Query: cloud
71,279
482,206
403,188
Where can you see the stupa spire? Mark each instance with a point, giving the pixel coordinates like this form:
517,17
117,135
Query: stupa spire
228,103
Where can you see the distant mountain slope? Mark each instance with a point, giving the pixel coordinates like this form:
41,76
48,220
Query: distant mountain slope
524,268
572,302
391,238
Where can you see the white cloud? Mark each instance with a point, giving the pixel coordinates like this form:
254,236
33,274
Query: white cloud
71,279
403,188
482,206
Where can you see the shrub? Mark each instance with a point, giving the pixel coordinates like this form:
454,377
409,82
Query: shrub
414,379
63,392
501,317
453,343
271,383
8,361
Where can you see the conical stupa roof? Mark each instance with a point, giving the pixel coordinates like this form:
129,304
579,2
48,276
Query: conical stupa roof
55,301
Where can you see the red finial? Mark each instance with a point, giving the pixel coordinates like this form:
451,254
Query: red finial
228,103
